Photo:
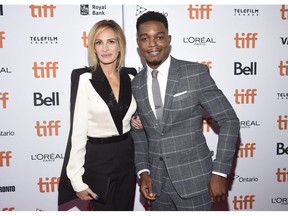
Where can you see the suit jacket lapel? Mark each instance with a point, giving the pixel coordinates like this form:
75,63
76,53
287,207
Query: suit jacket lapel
172,82
145,99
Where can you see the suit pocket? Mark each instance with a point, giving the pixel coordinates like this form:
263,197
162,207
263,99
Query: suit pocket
180,96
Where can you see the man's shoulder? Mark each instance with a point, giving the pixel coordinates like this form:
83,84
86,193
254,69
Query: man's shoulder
186,63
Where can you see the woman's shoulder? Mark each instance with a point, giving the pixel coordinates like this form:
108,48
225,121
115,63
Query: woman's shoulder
79,71
129,70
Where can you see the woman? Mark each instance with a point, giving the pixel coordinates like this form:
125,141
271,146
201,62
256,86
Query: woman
99,158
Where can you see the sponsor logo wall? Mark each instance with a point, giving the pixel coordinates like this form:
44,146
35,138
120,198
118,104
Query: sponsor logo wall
245,47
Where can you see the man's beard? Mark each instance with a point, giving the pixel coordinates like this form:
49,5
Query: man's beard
154,63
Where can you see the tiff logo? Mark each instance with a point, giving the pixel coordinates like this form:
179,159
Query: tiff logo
245,202
4,98
283,68
49,185
282,176
284,12
5,158
45,70
282,122
48,129
85,39
245,41
246,96
246,150
42,11
199,12
2,38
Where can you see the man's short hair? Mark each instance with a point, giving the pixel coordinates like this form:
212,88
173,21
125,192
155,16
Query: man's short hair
151,16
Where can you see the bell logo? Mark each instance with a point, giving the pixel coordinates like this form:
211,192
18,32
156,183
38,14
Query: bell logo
246,96
245,41
283,68
5,158
284,12
85,39
42,11
199,12
4,98
50,69
245,202
282,122
48,129
282,175
246,150
2,38
49,185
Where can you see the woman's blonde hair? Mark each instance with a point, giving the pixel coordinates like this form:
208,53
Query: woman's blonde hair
98,28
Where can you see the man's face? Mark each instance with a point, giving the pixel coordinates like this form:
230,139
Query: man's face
154,42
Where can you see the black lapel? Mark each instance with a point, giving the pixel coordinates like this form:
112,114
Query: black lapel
102,87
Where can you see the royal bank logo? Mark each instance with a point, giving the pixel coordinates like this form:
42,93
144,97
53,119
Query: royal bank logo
95,10
202,41
39,40
249,12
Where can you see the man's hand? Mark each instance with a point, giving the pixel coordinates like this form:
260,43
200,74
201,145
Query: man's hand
218,188
146,186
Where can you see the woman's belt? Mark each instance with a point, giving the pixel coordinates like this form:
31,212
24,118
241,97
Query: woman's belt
111,139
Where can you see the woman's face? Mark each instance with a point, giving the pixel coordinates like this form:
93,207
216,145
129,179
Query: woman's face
107,47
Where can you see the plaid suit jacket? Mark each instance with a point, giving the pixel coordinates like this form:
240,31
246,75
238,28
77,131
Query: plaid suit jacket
178,140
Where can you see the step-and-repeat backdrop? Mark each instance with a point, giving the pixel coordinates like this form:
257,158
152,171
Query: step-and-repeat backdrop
245,47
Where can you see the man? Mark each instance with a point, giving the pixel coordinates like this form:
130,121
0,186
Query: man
172,158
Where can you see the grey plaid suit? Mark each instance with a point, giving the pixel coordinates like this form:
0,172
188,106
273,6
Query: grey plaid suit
178,140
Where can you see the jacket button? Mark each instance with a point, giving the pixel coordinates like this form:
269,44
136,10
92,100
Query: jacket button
161,158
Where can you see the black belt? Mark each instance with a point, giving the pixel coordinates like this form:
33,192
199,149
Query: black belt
108,139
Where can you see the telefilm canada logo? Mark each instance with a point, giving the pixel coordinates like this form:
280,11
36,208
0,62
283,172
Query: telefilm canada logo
246,12
282,95
39,40
95,10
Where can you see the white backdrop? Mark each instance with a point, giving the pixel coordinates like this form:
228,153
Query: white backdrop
245,47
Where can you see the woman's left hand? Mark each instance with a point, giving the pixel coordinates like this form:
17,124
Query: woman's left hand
136,122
